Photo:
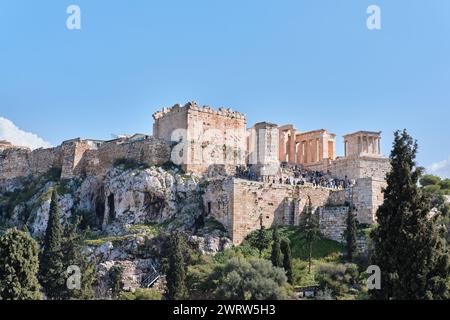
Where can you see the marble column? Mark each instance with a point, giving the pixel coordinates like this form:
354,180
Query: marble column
305,151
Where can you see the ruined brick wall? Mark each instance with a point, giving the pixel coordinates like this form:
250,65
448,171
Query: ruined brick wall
42,160
339,197
14,162
333,222
367,197
207,139
149,151
239,204
360,167
223,137
168,120
17,162
78,158
218,201
73,152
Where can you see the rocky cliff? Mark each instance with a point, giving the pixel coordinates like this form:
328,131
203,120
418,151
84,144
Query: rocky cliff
125,215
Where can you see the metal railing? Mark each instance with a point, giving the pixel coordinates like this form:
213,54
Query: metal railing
149,280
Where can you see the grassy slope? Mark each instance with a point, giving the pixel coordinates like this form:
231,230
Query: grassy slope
324,251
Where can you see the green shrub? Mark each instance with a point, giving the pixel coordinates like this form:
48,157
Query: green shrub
32,186
169,165
445,185
212,224
54,174
429,180
141,294
432,189
102,241
151,229
198,278
250,279
88,220
339,278
129,164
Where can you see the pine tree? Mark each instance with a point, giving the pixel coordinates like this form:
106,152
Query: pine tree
276,257
311,230
72,248
408,248
52,272
350,234
176,274
287,259
19,264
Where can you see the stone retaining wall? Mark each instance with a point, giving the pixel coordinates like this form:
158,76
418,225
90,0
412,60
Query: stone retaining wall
333,222
239,204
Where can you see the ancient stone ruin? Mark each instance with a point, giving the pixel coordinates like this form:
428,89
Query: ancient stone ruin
251,173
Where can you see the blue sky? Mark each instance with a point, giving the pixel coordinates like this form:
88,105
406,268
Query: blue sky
312,63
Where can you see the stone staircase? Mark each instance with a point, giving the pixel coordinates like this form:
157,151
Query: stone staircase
149,280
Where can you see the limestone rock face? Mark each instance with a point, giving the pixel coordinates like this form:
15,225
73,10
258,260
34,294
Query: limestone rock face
150,195
211,244
38,208
129,212
133,272
123,197
40,215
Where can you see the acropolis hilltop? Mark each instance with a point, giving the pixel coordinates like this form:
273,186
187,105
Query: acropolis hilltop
265,170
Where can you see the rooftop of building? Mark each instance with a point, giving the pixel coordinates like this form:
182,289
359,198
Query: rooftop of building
362,132
265,124
316,131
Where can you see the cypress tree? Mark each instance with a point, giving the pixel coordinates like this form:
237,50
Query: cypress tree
311,231
19,264
263,242
276,257
287,259
72,248
116,274
408,248
350,234
176,274
52,271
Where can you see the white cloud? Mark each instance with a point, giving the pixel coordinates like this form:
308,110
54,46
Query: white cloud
441,168
10,132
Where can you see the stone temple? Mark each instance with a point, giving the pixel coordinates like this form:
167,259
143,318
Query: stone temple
264,173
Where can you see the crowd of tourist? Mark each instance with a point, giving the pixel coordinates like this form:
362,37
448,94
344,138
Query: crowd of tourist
297,176
244,172
316,178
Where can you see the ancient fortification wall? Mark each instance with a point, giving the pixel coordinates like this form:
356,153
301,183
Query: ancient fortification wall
367,197
239,204
206,141
206,138
17,162
333,222
147,150
78,157
360,167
